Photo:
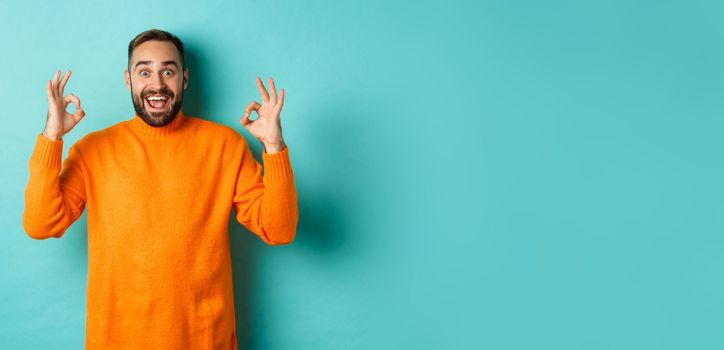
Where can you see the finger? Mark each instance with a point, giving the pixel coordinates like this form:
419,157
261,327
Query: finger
78,115
49,90
56,82
252,106
245,120
280,103
79,112
262,90
74,99
272,92
53,84
63,81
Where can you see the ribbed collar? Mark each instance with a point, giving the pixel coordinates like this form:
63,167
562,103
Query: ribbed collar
159,131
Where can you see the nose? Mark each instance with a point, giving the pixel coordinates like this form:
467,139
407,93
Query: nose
157,81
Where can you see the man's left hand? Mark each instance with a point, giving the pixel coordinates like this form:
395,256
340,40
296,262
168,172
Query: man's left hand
267,127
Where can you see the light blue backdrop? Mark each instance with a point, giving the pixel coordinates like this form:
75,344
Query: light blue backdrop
471,175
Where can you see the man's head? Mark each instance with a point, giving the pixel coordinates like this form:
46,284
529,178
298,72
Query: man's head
156,76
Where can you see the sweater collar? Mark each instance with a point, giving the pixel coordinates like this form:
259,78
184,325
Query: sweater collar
139,125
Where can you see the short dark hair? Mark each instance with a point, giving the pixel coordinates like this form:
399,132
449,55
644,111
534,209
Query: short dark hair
156,34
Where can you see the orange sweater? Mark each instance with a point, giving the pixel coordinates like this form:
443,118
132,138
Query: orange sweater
159,201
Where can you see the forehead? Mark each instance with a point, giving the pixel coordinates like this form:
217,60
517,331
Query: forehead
155,51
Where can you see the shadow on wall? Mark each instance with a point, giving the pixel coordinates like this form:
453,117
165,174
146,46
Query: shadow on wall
194,97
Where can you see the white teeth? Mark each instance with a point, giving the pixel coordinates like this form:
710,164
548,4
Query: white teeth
157,98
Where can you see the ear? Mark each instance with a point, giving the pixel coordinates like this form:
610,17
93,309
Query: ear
186,78
127,79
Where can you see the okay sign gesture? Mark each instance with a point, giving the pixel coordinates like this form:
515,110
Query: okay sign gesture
59,121
267,128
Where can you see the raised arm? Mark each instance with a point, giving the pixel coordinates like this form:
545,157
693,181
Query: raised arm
55,193
266,205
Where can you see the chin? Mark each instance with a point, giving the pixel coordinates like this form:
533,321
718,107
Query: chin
157,118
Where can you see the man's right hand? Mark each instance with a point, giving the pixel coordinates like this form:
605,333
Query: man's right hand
59,121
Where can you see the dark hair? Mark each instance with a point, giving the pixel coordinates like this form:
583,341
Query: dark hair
156,34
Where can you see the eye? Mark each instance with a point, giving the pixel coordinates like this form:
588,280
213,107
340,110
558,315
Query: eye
170,72
144,73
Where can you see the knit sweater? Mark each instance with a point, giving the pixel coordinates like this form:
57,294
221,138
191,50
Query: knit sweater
159,201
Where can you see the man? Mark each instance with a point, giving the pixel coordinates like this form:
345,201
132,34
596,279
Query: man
159,189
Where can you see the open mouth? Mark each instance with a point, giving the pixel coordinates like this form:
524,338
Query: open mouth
157,102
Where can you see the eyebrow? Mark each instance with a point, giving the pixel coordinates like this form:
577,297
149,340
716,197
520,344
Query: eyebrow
164,63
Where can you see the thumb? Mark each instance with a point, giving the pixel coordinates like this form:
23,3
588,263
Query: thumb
78,115
244,121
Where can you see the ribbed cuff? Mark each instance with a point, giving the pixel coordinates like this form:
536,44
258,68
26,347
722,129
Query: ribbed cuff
277,166
47,153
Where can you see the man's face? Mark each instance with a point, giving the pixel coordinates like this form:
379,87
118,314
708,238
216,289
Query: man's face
155,82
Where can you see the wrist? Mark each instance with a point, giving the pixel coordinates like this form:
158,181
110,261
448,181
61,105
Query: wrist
270,148
52,136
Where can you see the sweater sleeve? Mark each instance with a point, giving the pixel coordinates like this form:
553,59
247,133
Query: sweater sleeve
54,197
267,205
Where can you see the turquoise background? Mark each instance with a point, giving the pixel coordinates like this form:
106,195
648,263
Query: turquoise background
471,175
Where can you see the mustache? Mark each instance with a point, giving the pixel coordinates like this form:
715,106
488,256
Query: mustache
164,92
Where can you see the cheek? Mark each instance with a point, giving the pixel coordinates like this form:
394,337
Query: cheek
178,84
176,87
138,89
137,95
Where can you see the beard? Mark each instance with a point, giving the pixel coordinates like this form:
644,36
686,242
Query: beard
157,119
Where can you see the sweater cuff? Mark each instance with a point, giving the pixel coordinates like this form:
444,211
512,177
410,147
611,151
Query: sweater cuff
47,153
277,166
